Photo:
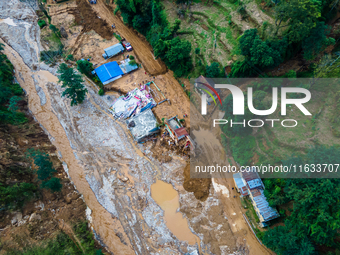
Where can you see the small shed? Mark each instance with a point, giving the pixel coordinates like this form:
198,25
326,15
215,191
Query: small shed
113,50
109,72
143,125
241,187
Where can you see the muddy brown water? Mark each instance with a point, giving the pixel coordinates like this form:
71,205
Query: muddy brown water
167,198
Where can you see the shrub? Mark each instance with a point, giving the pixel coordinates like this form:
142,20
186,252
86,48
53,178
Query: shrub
101,92
132,62
41,23
132,57
70,57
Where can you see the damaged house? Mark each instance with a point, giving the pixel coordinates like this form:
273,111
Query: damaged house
143,125
175,128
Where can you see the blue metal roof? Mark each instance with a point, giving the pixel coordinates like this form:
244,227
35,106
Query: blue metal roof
108,71
114,50
268,213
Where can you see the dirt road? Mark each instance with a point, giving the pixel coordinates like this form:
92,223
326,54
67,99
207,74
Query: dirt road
142,48
233,208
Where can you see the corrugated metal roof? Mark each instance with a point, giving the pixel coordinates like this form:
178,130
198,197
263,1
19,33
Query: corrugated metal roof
108,71
174,123
260,201
181,132
240,184
252,178
127,68
114,50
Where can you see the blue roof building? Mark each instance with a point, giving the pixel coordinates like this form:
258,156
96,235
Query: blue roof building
109,72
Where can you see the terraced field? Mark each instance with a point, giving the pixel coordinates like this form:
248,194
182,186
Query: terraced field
214,29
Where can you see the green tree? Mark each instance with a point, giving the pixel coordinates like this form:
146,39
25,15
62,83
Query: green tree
177,56
53,184
70,57
12,105
317,41
300,15
72,81
258,54
314,217
214,70
85,67
12,197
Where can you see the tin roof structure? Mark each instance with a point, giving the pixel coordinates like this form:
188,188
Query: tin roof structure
143,125
114,50
175,128
127,67
252,178
181,132
109,72
240,184
262,207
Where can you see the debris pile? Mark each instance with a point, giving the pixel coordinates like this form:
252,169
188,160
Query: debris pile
133,103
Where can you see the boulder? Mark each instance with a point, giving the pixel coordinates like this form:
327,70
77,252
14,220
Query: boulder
35,217
63,32
16,218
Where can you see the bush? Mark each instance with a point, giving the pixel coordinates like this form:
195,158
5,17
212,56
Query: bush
132,57
70,57
51,56
101,92
41,23
132,62
243,149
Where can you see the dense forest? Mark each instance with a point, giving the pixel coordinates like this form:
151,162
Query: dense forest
147,17
300,27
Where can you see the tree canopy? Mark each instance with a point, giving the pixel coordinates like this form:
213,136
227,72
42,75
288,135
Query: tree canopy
72,81
148,18
314,218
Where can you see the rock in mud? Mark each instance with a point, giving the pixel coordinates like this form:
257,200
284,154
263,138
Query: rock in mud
63,32
16,218
35,217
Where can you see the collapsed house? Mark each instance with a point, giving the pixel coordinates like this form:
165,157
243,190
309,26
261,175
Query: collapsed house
249,183
134,102
143,125
177,132
111,71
